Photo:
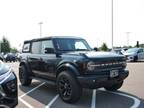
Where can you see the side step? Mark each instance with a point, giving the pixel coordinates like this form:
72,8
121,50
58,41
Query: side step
44,80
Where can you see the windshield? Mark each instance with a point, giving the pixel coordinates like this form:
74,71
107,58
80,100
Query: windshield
132,50
72,45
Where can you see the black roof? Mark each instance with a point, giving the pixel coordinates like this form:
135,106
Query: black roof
53,37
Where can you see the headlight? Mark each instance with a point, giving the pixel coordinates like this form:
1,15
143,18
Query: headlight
90,66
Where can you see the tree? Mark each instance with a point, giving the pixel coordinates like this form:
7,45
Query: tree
104,47
5,45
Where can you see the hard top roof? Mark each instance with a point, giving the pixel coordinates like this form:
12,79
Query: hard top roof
53,37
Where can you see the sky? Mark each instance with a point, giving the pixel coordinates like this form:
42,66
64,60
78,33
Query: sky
89,19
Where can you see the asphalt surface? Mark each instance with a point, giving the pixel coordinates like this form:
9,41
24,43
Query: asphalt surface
43,95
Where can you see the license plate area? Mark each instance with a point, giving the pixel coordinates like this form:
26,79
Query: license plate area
114,73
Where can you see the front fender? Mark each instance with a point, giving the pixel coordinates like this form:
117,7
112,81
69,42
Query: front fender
25,63
67,66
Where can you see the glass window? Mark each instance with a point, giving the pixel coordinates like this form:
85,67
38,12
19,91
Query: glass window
36,47
140,51
46,44
80,45
26,47
72,45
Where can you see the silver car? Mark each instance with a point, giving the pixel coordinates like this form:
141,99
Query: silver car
134,54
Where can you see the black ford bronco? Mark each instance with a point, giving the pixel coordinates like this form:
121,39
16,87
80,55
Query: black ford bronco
71,64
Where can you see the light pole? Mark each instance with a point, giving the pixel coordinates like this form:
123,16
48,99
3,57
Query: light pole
0,47
40,23
112,23
128,38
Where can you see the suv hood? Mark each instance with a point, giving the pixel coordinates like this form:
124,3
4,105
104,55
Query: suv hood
93,54
3,68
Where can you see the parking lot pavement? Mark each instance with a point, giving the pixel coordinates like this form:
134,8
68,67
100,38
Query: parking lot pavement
42,95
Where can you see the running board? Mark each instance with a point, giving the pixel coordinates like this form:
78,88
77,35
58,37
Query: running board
44,80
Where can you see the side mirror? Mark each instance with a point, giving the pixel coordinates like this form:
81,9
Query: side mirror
95,48
49,50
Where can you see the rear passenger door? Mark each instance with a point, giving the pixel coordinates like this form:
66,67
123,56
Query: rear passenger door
34,57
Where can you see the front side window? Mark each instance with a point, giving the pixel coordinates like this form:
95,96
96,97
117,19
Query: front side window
72,45
36,47
46,44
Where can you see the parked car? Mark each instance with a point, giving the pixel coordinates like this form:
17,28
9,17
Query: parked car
1,57
72,65
10,57
134,54
117,51
8,87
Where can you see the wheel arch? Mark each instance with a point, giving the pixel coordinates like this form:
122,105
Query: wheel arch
26,65
67,66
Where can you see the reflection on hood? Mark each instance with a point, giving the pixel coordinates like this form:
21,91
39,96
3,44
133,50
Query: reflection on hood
3,68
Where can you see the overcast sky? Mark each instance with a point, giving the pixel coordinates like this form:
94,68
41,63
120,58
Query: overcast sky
90,19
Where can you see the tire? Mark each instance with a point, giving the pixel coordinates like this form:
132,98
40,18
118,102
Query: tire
135,58
68,87
24,76
1,59
114,87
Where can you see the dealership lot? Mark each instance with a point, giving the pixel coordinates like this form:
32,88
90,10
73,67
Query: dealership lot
41,94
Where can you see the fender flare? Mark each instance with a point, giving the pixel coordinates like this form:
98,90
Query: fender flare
25,63
67,66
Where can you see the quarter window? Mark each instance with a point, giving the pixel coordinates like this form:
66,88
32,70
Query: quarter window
26,47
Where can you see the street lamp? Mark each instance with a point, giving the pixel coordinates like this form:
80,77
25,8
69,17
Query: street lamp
112,22
128,38
40,23
0,47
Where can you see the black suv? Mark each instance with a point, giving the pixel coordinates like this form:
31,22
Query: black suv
71,64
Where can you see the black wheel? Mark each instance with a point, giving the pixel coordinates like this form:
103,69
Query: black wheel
1,59
68,87
24,76
135,58
114,87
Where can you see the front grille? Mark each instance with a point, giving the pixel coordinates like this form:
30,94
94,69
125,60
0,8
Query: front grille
10,88
104,67
107,65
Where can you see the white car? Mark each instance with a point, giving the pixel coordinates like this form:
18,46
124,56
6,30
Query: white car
134,54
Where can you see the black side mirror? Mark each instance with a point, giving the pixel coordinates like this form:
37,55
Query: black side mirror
95,48
49,50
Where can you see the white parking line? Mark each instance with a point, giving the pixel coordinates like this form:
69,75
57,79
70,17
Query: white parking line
24,102
32,89
136,100
93,104
52,101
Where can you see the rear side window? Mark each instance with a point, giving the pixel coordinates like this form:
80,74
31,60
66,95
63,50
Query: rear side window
36,47
26,47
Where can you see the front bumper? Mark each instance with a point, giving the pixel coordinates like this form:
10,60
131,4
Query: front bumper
8,91
130,58
97,81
